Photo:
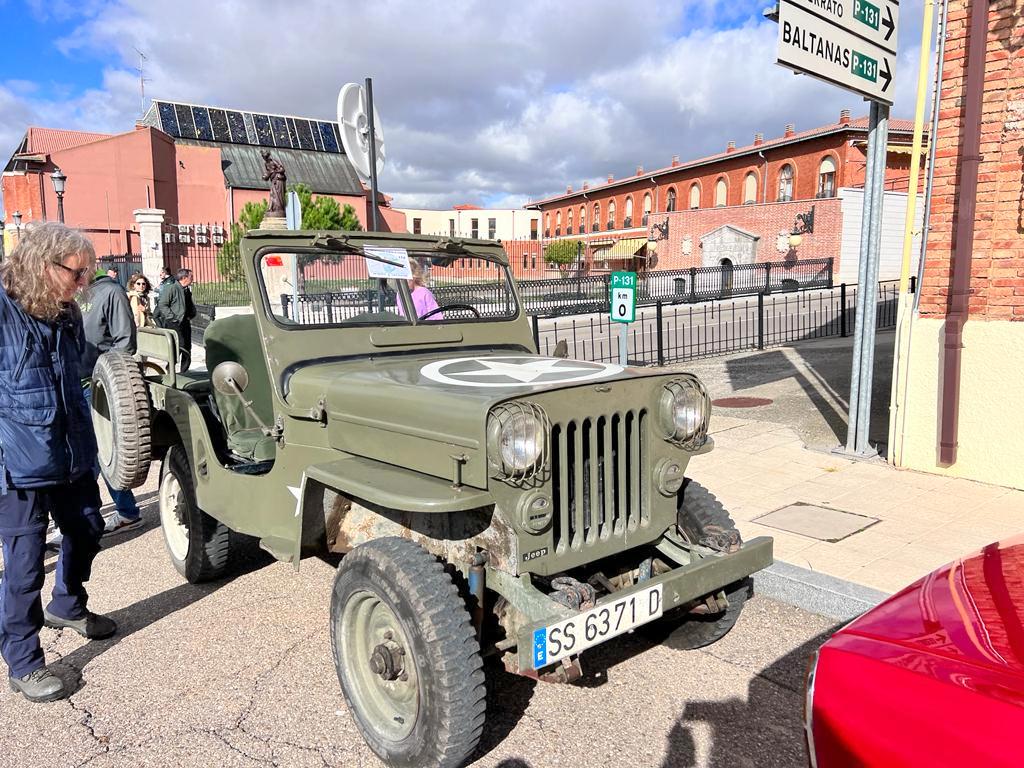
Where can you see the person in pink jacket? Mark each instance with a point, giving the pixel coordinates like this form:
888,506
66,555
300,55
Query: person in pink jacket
423,300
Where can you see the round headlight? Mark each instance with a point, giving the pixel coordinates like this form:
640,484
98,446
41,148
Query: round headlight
517,439
520,442
683,410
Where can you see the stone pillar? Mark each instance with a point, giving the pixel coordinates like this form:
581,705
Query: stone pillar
151,241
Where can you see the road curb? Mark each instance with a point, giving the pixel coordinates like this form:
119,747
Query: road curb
816,592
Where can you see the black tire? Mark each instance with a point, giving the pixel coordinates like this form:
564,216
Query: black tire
390,592
121,417
703,520
199,546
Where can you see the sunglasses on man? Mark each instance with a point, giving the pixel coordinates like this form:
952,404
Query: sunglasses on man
78,273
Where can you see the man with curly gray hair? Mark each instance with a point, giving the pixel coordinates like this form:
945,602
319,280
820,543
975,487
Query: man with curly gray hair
47,452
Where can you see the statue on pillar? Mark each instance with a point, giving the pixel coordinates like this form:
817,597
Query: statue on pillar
273,172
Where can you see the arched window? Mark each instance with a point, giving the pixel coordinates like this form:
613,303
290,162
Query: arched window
568,222
558,219
611,214
785,183
721,192
595,223
827,178
628,221
694,196
670,200
750,188
583,219
647,207
547,225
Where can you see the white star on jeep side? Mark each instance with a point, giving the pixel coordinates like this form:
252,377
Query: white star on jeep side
526,372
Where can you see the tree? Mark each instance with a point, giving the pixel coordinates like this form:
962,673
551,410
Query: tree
229,257
563,253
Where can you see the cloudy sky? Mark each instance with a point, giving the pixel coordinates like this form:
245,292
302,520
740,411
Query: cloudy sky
480,102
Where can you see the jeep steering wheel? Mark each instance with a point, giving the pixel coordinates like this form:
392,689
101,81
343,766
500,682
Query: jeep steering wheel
443,307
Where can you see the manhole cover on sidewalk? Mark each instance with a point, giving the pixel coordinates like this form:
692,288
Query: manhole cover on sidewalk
741,402
816,522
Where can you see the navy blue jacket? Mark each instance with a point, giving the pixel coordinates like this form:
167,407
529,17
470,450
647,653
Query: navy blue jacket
46,433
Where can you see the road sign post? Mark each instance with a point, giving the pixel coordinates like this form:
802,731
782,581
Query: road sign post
622,307
852,44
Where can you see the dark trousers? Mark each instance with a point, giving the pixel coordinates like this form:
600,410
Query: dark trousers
75,508
185,344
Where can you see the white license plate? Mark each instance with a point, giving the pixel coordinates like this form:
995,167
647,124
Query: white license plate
592,627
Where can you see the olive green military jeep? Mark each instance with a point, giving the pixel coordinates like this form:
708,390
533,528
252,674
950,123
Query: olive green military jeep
488,501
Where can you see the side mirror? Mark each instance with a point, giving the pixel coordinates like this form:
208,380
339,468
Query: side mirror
230,378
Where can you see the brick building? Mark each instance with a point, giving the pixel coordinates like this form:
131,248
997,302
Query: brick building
198,164
758,188
959,407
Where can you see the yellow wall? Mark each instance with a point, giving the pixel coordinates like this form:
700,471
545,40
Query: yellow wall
991,427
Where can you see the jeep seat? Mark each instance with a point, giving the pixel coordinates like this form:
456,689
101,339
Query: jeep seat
237,339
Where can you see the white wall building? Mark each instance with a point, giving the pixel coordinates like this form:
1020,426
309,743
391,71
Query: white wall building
468,221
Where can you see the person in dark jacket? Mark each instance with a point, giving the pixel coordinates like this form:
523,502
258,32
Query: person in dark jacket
175,310
47,452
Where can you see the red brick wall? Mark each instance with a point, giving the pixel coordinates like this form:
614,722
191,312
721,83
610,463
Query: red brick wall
805,159
997,265
21,193
767,221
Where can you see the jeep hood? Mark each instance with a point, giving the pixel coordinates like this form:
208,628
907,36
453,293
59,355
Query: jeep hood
424,412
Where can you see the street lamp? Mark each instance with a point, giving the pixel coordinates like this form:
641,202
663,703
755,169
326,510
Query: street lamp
17,225
58,179
804,225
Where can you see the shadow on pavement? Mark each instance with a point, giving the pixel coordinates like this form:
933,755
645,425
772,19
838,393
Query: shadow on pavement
508,696
765,729
246,558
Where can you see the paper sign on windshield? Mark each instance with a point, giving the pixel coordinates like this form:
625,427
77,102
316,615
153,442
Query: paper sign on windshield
395,262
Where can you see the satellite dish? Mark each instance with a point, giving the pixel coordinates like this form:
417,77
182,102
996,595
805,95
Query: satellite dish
354,122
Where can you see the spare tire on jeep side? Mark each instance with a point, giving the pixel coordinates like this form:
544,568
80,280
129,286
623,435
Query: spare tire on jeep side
121,419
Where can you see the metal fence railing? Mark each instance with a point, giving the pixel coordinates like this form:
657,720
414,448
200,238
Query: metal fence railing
671,334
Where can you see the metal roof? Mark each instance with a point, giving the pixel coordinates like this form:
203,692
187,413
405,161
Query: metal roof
325,173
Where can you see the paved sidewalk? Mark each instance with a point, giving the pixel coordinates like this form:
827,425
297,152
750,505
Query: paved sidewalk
924,520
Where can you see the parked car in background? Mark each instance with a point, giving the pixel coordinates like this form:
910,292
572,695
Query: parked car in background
934,676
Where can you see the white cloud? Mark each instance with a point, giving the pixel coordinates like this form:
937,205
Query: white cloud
480,102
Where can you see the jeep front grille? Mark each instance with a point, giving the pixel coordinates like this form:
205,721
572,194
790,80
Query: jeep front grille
599,478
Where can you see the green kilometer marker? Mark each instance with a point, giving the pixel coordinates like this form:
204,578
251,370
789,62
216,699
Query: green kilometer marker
867,13
864,66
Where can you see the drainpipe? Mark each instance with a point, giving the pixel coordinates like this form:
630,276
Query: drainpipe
764,180
960,284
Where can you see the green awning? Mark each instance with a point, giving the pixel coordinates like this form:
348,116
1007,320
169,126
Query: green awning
626,248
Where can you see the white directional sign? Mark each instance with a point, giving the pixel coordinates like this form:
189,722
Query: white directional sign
811,43
876,21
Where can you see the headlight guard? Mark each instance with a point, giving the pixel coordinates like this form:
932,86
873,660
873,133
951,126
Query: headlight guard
684,412
518,441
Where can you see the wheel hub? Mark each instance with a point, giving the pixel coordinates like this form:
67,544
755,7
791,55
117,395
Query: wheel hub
388,661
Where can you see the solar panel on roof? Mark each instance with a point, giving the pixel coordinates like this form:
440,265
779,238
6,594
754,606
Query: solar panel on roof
186,126
327,137
249,130
280,131
204,130
219,120
168,120
304,135
293,134
263,133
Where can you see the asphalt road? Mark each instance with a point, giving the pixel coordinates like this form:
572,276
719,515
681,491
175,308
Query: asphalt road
239,673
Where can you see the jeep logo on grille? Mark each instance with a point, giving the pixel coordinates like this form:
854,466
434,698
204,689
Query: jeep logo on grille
515,371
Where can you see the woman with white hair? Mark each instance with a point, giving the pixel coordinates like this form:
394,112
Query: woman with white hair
47,452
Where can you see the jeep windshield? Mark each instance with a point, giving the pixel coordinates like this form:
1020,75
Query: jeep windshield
368,285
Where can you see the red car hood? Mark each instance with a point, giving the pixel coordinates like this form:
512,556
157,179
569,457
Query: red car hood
970,611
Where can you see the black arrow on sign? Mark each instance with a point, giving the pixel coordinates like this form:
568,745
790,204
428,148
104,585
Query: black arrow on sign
886,73
888,22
